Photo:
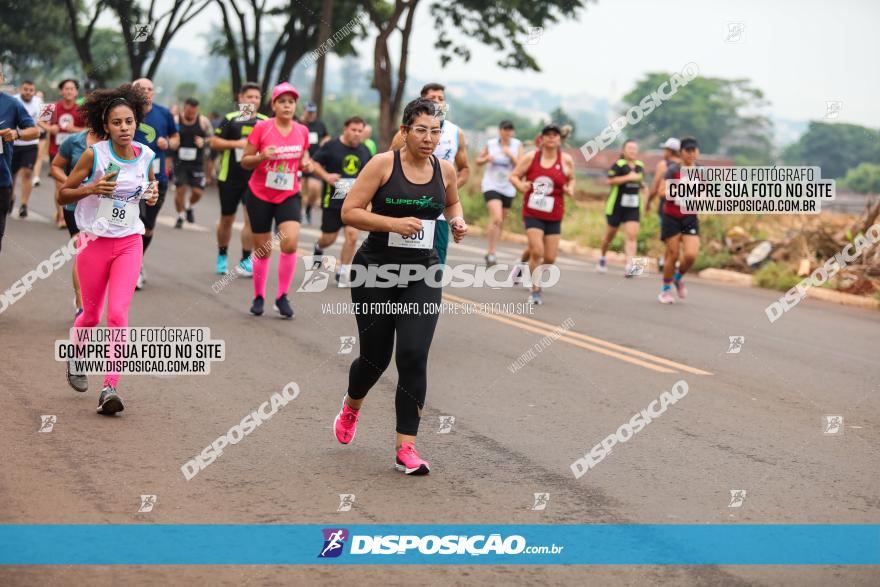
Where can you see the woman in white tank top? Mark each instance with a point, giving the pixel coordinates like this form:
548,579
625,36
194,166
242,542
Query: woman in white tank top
501,154
107,184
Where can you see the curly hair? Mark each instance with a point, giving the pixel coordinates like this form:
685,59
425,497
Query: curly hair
99,104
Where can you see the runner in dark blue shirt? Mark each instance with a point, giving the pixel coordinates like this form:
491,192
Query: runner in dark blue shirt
15,123
158,131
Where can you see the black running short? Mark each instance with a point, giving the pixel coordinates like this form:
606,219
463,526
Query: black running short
188,174
230,196
24,157
622,214
550,227
331,220
671,226
493,195
150,213
70,221
262,213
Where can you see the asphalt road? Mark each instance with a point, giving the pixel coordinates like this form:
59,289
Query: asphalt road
752,420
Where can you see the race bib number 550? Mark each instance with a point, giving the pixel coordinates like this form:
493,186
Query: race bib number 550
423,239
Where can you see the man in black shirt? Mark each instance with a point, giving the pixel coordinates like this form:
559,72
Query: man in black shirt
318,137
229,139
343,158
189,170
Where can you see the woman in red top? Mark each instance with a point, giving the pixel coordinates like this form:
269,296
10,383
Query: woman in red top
276,149
545,176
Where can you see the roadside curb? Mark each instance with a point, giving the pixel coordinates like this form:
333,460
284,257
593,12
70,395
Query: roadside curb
711,274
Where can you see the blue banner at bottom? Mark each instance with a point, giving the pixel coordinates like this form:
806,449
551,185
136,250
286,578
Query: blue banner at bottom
588,544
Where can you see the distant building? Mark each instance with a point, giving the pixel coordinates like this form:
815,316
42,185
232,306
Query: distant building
603,160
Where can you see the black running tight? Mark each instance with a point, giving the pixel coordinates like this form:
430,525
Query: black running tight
377,328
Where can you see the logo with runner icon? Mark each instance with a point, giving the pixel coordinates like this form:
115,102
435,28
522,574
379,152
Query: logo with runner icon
334,541
147,503
346,345
736,344
541,501
319,269
47,423
446,424
832,425
346,500
737,498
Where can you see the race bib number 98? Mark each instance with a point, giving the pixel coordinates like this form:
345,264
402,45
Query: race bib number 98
117,212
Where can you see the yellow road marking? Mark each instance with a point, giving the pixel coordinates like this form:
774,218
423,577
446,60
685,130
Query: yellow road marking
592,343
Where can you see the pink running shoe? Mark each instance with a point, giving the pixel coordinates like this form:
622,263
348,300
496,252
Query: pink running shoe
345,424
681,289
409,461
665,297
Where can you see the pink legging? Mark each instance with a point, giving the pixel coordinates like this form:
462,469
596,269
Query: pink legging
102,264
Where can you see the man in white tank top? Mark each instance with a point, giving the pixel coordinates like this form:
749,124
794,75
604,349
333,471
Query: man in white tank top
452,148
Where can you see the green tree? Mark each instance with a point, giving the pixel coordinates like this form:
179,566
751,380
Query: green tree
20,44
863,179
834,147
506,26
263,43
711,109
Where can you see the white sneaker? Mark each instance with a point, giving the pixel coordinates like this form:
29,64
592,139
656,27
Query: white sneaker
35,181
602,265
142,279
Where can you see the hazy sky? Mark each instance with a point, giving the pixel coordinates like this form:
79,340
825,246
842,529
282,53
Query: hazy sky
800,53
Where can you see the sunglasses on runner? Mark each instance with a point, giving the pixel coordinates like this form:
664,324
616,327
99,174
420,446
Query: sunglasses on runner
421,131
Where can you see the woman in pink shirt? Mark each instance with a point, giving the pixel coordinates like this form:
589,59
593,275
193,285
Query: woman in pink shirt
276,150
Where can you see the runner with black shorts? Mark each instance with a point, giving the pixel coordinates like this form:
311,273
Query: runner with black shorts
15,123
406,189
24,153
670,155
501,153
343,158
158,131
680,231
318,137
276,149
545,176
230,140
189,162
626,178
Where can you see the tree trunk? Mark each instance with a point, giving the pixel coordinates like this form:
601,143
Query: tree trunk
323,35
389,98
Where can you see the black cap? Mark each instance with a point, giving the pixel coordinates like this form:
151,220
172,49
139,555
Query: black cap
505,125
689,143
551,128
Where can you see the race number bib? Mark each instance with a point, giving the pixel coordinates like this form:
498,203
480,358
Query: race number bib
629,201
239,153
541,203
423,239
117,212
279,181
155,166
187,153
313,138
342,187
61,137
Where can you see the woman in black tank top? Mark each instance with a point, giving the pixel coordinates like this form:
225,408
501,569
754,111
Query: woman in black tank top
407,190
